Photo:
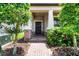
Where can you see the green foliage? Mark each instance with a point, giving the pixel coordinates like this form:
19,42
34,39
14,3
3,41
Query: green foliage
54,37
69,20
20,35
69,27
57,38
16,14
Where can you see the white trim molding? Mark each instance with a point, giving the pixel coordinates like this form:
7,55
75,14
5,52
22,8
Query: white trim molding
45,8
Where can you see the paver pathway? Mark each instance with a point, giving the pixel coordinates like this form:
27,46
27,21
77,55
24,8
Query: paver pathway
39,49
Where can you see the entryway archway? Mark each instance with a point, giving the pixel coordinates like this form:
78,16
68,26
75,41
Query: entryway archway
39,25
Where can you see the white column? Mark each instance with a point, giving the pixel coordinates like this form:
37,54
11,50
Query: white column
50,19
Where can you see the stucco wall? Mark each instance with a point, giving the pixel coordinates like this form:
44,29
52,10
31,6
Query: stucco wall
43,18
44,8
39,10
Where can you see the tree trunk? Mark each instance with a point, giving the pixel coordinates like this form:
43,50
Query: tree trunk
0,50
16,37
14,42
74,41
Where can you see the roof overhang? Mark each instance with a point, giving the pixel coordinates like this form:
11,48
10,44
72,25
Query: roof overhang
44,4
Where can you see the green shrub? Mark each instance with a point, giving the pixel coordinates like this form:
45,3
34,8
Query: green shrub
57,38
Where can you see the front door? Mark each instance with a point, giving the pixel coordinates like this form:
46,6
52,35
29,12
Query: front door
38,28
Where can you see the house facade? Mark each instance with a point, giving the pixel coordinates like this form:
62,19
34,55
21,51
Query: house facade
43,18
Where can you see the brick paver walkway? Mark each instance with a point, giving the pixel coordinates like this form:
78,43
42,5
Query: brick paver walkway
39,49
38,38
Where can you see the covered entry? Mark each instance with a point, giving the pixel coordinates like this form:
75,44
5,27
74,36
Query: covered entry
43,19
39,23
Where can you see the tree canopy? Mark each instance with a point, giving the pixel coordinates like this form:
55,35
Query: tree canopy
69,18
14,12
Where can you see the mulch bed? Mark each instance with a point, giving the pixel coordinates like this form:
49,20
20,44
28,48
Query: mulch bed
9,52
64,51
22,49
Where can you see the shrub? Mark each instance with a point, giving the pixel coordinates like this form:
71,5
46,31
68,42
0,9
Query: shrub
54,37
57,38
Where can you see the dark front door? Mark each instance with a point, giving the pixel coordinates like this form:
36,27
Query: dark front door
38,28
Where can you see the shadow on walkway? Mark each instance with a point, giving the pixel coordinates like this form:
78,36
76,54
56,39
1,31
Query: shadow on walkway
38,38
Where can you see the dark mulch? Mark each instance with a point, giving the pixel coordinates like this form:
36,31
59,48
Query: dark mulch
22,49
65,51
8,52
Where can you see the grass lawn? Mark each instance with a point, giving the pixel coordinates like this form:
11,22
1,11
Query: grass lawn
20,35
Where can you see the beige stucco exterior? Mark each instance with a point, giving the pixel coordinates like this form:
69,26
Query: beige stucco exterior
44,8
40,17
43,14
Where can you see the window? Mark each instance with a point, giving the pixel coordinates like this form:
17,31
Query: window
56,21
